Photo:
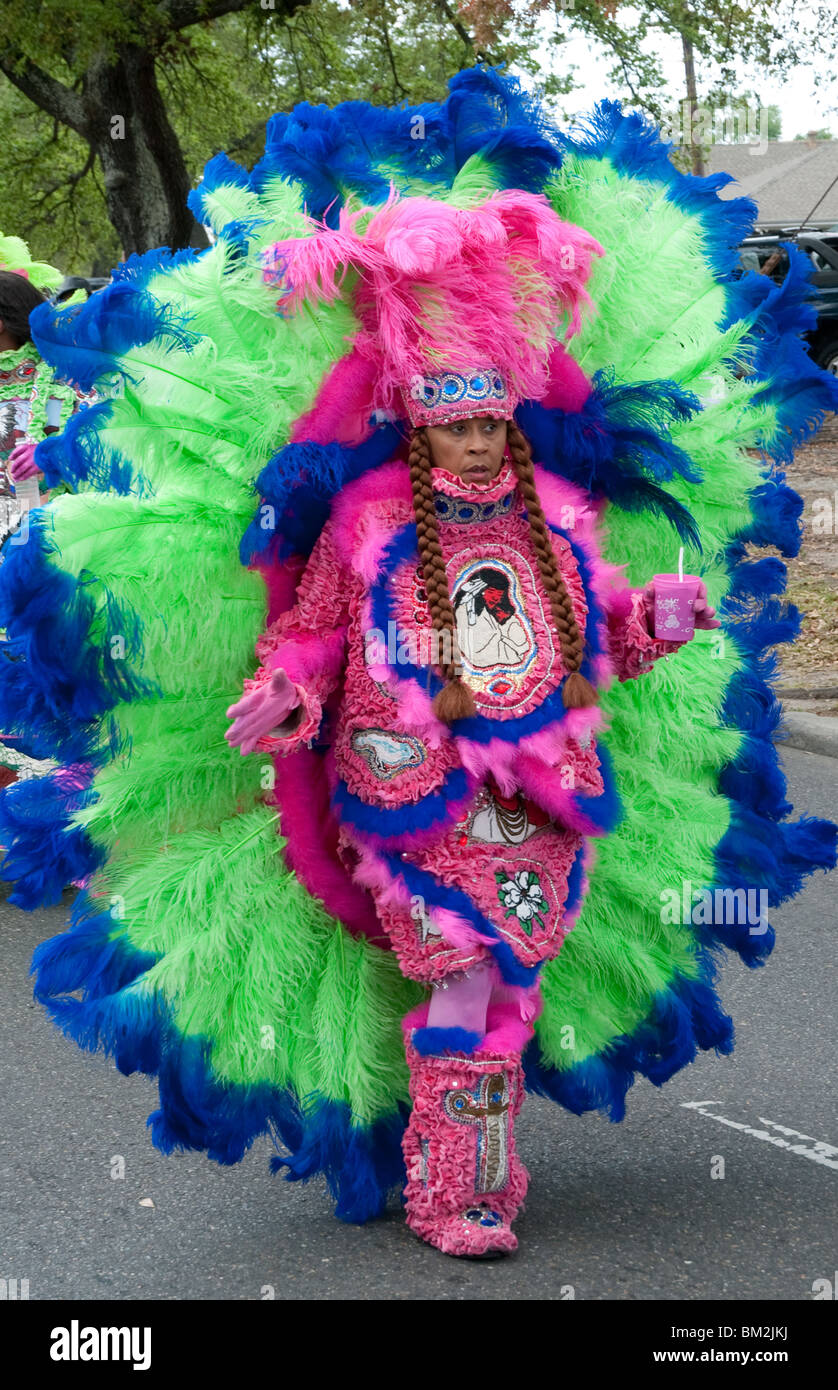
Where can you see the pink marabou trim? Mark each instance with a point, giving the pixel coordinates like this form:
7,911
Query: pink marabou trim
589,852
547,746
361,534
540,783
568,388
310,832
456,930
453,486
409,839
526,999
417,1018
557,493
281,582
305,655
343,406
373,873
506,1032
413,704
416,713
575,722
510,1006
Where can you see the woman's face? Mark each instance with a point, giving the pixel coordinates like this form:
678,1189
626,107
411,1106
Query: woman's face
470,449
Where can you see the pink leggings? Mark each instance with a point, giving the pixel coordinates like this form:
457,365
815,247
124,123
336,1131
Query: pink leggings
463,1003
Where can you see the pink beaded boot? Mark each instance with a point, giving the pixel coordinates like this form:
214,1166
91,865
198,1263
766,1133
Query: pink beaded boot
465,1181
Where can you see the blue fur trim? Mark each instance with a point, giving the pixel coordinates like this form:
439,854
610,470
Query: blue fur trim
605,810
619,444
633,145
421,883
683,1018
79,455
327,153
432,1042
84,341
330,153
798,390
299,483
44,851
391,822
361,1164
197,1111
220,172
775,515
55,685
481,728
761,851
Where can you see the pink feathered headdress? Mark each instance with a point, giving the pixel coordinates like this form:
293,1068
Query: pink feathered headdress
458,308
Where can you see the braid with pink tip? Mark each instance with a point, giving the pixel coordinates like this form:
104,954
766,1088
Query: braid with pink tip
455,700
577,691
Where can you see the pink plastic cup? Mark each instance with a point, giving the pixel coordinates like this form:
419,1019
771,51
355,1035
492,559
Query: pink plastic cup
674,611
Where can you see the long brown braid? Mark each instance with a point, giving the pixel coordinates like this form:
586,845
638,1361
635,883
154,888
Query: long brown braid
577,692
455,700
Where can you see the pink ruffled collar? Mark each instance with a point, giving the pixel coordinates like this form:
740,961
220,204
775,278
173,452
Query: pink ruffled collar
505,482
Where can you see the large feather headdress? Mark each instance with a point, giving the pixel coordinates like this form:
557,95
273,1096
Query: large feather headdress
457,308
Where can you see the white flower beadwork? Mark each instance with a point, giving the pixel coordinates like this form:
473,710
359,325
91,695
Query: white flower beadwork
522,896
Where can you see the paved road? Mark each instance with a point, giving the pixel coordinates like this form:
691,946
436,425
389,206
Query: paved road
626,1211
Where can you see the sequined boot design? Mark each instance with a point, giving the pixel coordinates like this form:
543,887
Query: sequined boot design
465,1181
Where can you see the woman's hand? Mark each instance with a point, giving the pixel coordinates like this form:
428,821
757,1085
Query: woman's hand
705,616
22,463
261,711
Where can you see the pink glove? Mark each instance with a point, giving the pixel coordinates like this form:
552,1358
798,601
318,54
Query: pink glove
705,616
261,711
22,461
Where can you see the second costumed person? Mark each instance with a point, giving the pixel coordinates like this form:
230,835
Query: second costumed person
439,667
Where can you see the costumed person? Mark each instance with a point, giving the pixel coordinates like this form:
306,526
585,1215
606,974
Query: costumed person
32,405
263,933
469,543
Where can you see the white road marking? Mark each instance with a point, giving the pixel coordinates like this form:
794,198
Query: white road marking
823,1153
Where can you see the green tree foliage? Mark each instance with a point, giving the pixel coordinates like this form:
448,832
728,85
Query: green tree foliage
205,75
220,80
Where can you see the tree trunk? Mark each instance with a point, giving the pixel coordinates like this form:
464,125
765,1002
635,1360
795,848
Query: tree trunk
146,180
696,152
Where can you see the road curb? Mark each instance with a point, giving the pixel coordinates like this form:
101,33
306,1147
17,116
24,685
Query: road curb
814,733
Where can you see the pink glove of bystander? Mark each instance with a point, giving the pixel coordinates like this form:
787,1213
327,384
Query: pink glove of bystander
22,461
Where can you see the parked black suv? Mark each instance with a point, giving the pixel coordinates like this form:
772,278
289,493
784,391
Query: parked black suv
822,249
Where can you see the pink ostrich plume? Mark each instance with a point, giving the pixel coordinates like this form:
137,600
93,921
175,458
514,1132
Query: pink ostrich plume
437,288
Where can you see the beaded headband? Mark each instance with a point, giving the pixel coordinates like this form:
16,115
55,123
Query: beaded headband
458,395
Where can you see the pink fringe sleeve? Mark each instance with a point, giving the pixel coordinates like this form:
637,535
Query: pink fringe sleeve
308,642
634,649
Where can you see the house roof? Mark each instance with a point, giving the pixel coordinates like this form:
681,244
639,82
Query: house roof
786,178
